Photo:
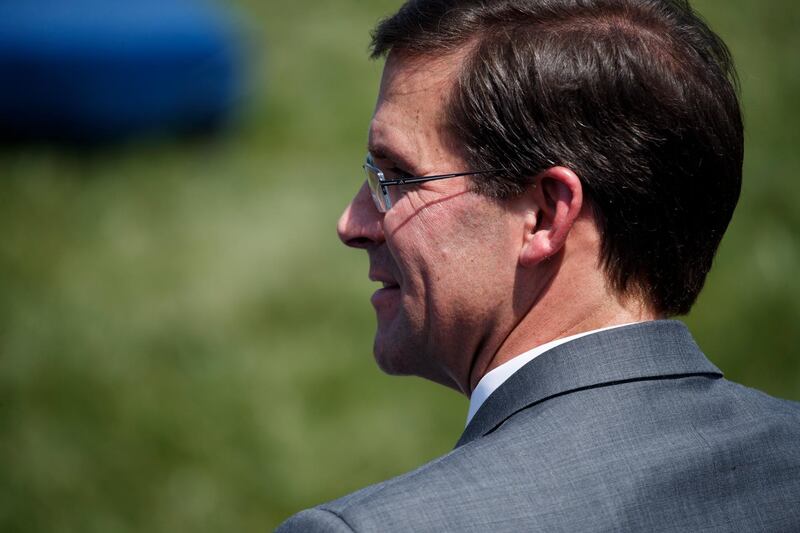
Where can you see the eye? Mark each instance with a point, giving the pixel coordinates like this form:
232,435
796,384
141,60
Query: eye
399,173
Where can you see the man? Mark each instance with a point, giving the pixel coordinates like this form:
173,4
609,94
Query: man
547,183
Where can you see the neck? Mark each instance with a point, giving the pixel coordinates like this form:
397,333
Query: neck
592,306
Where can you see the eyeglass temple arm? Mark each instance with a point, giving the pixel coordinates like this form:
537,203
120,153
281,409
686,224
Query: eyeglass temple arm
420,179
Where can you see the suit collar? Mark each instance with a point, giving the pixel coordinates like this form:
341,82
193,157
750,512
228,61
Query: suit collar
639,351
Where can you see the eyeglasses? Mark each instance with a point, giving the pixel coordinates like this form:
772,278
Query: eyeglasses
381,188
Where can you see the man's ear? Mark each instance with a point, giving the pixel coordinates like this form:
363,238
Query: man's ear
552,207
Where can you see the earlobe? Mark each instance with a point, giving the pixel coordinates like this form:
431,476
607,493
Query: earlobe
557,199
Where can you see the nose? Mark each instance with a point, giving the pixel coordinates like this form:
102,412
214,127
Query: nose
361,225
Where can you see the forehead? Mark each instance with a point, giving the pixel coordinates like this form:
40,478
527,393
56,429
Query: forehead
409,115
407,75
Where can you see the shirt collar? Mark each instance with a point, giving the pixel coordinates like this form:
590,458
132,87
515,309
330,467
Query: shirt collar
492,380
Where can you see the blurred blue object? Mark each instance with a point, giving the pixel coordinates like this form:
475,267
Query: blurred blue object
99,70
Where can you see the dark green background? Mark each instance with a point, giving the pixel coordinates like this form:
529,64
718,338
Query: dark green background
185,346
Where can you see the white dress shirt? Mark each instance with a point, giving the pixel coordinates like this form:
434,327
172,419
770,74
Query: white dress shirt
496,377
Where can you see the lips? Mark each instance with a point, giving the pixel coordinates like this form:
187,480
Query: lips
384,279
385,298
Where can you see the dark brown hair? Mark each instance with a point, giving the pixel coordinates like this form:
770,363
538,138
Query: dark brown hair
638,97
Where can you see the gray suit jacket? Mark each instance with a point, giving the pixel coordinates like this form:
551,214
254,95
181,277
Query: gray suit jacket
631,429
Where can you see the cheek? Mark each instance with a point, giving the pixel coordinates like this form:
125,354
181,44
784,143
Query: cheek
418,234
485,257
450,245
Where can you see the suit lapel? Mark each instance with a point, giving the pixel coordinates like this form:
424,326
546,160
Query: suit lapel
646,350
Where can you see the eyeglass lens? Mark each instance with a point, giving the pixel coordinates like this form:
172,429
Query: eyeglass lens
374,183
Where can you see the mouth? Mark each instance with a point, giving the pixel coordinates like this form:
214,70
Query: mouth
386,280
386,296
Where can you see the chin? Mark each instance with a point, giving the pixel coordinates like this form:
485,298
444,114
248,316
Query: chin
410,362
389,360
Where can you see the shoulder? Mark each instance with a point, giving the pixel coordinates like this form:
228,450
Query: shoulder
608,457
312,520
421,500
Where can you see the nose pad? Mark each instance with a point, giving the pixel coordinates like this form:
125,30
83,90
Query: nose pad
361,225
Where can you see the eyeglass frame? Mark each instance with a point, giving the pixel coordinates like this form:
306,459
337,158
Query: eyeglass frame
386,183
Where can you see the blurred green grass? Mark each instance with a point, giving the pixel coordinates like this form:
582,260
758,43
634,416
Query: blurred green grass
184,344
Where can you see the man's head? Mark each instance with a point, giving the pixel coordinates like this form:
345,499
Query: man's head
617,127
